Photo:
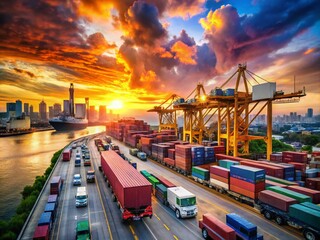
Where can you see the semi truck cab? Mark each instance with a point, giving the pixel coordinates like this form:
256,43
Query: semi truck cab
81,197
182,202
83,230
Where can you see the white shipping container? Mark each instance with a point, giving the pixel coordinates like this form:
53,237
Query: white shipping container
263,91
219,183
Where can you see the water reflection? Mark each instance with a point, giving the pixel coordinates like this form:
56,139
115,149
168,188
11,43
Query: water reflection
28,161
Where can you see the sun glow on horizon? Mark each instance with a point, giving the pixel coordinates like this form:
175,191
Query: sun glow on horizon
115,104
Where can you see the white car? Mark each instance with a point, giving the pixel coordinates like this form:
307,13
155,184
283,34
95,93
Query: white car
76,179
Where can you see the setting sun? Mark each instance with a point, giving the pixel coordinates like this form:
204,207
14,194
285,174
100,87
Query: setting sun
116,104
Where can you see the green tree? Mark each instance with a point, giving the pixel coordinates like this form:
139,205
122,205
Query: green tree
27,191
26,204
8,235
307,148
311,140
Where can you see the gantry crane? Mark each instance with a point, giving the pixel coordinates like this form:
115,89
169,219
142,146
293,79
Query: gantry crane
233,113
167,115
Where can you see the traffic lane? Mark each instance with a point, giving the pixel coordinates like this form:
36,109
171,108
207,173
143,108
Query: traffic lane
180,228
270,229
113,214
33,221
99,228
69,213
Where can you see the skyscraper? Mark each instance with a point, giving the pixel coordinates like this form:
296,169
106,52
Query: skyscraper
310,113
18,108
92,114
56,109
26,109
66,107
51,112
43,111
102,113
11,110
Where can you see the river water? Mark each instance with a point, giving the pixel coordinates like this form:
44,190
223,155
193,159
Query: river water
24,157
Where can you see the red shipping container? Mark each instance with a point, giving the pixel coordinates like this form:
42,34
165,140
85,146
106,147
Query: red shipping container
220,171
276,200
215,228
169,161
205,166
314,194
132,190
55,185
244,192
299,166
313,183
165,181
41,233
223,156
253,187
219,178
172,153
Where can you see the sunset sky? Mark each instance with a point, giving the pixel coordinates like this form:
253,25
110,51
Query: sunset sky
140,52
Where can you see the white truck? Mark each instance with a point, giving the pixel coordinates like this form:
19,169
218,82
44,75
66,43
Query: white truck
182,202
81,197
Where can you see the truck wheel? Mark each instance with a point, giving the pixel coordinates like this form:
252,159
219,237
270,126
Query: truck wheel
310,235
108,184
279,220
205,233
267,215
178,213
114,198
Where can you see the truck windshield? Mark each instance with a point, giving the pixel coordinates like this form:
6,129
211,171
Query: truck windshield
82,197
185,202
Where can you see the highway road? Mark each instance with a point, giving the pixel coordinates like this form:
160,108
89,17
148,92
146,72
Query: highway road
105,218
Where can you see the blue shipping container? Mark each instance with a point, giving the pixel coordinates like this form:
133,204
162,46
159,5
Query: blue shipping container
248,174
45,219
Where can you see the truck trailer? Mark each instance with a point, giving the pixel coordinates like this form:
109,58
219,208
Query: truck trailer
286,210
66,155
129,188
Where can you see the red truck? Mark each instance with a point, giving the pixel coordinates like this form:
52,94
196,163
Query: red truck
55,185
213,228
41,233
130,189
66,155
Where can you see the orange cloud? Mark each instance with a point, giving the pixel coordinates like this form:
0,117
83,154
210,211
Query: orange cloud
214,20
185,9
184,53
310,50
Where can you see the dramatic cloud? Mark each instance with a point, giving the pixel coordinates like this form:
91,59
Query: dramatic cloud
143,24
236,38
184,53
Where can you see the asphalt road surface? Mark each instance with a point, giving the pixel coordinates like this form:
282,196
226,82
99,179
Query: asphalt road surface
105,217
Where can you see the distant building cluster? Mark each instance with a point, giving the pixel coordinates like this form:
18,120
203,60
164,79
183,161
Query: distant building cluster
24,112
293,117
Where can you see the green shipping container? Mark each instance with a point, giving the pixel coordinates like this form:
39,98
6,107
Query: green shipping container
163,189
153,181
298,196
226,163
312,206
279,180
305,214
145,173
201,171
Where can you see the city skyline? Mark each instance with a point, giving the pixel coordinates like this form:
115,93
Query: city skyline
155,49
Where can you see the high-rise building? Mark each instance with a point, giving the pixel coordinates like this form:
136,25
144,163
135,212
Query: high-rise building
26,109
11,110
80,110
92,114
18,108
43,111
51,112
56,109
310,113
66,107
102,113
